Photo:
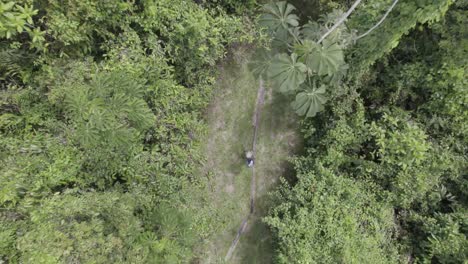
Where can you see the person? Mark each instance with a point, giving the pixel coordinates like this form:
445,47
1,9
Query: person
250,158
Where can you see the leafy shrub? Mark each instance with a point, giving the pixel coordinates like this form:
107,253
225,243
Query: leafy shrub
190,40
405,16
232,6
82,228
396,134
327,219
101,112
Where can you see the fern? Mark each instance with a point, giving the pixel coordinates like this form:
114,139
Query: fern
107,113
15,63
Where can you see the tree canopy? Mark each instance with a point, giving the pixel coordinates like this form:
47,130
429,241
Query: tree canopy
102,109
384,175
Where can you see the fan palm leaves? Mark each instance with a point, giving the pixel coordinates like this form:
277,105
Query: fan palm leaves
315,55
109,108
310,102
338,76
321,59
261,63
287,72
278,19
312,31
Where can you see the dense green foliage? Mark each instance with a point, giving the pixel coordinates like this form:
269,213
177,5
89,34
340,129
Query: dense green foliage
298,63
100,121
101,117
331,219
405,16
384,178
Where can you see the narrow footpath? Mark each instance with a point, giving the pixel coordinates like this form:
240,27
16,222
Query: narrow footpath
245,114
256,117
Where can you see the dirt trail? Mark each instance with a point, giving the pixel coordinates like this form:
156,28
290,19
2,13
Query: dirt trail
256,117
235,188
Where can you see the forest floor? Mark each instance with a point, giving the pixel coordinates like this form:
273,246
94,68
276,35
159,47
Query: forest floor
230,135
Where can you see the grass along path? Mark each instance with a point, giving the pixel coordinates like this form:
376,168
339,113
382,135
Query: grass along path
255,122
230,120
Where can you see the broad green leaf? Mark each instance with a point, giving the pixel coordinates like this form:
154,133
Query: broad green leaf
309,103
287,72
321,59
278,19
6,6
261,63
338,76
312,31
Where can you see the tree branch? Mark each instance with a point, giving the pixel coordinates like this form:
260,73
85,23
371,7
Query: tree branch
340,21
380,22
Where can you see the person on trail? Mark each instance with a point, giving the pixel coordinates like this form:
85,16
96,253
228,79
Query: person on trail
250,158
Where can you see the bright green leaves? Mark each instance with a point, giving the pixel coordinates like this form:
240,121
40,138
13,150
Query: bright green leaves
86,227
87,122
328,218
37,37
278,17
309,103
288,72
323,59
327,59
108,113
405,147
109,110
280,22
304,59
110,98
15,19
